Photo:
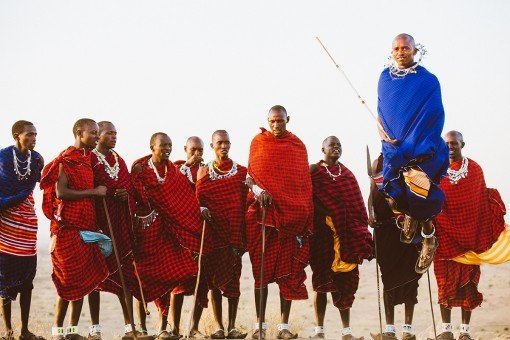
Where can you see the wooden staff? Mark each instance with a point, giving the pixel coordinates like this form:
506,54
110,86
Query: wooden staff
117,258
262,254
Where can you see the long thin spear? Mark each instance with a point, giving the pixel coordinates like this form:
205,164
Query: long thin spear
262,255
379,125
117,258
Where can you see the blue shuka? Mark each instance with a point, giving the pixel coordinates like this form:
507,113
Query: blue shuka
411,111
13,191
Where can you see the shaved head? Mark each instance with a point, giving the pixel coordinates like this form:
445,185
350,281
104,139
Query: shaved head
80,124
218,132
104,124
278,108
194,140
456,134
328,139
406,36
155,136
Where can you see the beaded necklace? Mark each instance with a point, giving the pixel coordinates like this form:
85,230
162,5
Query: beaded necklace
456,175
18,169
112,171
333,176
158,177
224,174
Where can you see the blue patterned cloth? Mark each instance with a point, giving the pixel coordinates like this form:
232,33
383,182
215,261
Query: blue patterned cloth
104,242
16,274
411,111
12,190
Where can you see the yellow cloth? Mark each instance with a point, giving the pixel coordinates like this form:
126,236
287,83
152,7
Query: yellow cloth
338,265
417,181
497,254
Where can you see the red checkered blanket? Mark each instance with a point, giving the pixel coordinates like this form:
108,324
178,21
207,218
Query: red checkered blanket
343,201
226,200
472,216
78,267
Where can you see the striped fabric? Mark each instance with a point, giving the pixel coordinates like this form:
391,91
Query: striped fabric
18,229
498,253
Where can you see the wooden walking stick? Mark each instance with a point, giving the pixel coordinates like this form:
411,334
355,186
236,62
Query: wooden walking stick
140,287
117,258
431,307
372,215
198,280
262,254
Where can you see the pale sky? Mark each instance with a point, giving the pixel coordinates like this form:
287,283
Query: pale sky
191,67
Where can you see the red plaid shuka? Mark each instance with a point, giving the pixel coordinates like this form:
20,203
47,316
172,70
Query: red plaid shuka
194,172
342,200
120,217
78,267
226,200
163,249
279,165
457,284
472,216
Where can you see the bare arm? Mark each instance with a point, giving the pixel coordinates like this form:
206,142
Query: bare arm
64,192
264,198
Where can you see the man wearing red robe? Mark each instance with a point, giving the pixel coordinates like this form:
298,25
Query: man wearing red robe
471,220
174,301
221,192
111,171
279,178
169,224
341,240
69,197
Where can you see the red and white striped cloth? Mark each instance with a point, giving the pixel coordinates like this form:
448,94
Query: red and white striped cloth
18,229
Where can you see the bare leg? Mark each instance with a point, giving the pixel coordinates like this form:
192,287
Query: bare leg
163,319
446,314
409,312
389,310
176,302
261,315
233,303
217,307
125,307
140,309
75,312
197,314
25,299
60,311
345,315
319,304
466,316
6,312
94,302
284,309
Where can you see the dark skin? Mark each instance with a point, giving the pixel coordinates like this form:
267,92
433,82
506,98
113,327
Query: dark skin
455,144
332,151
107,142
221,146
24,142
389,308
86,138
277,121
194,149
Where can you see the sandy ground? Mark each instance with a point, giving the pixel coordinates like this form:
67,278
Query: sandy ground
490,321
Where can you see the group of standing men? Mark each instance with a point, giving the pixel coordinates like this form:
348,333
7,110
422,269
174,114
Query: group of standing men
181,228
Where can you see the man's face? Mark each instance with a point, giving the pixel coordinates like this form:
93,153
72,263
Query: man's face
455,145
194,147
108,137
221,145
403,52
28,137
277,120
162,147
332,148
89,135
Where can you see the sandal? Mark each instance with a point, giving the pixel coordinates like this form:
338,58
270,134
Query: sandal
444,336
8,336
426,256
255,334
236,334
164,335
286,334
219,334
351,337
408,227
196,334
30,336
385,336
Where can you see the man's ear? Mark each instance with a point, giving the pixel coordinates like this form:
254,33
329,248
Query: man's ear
211,146
288,119
323,151
79,132
185,148
462,145
152,147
